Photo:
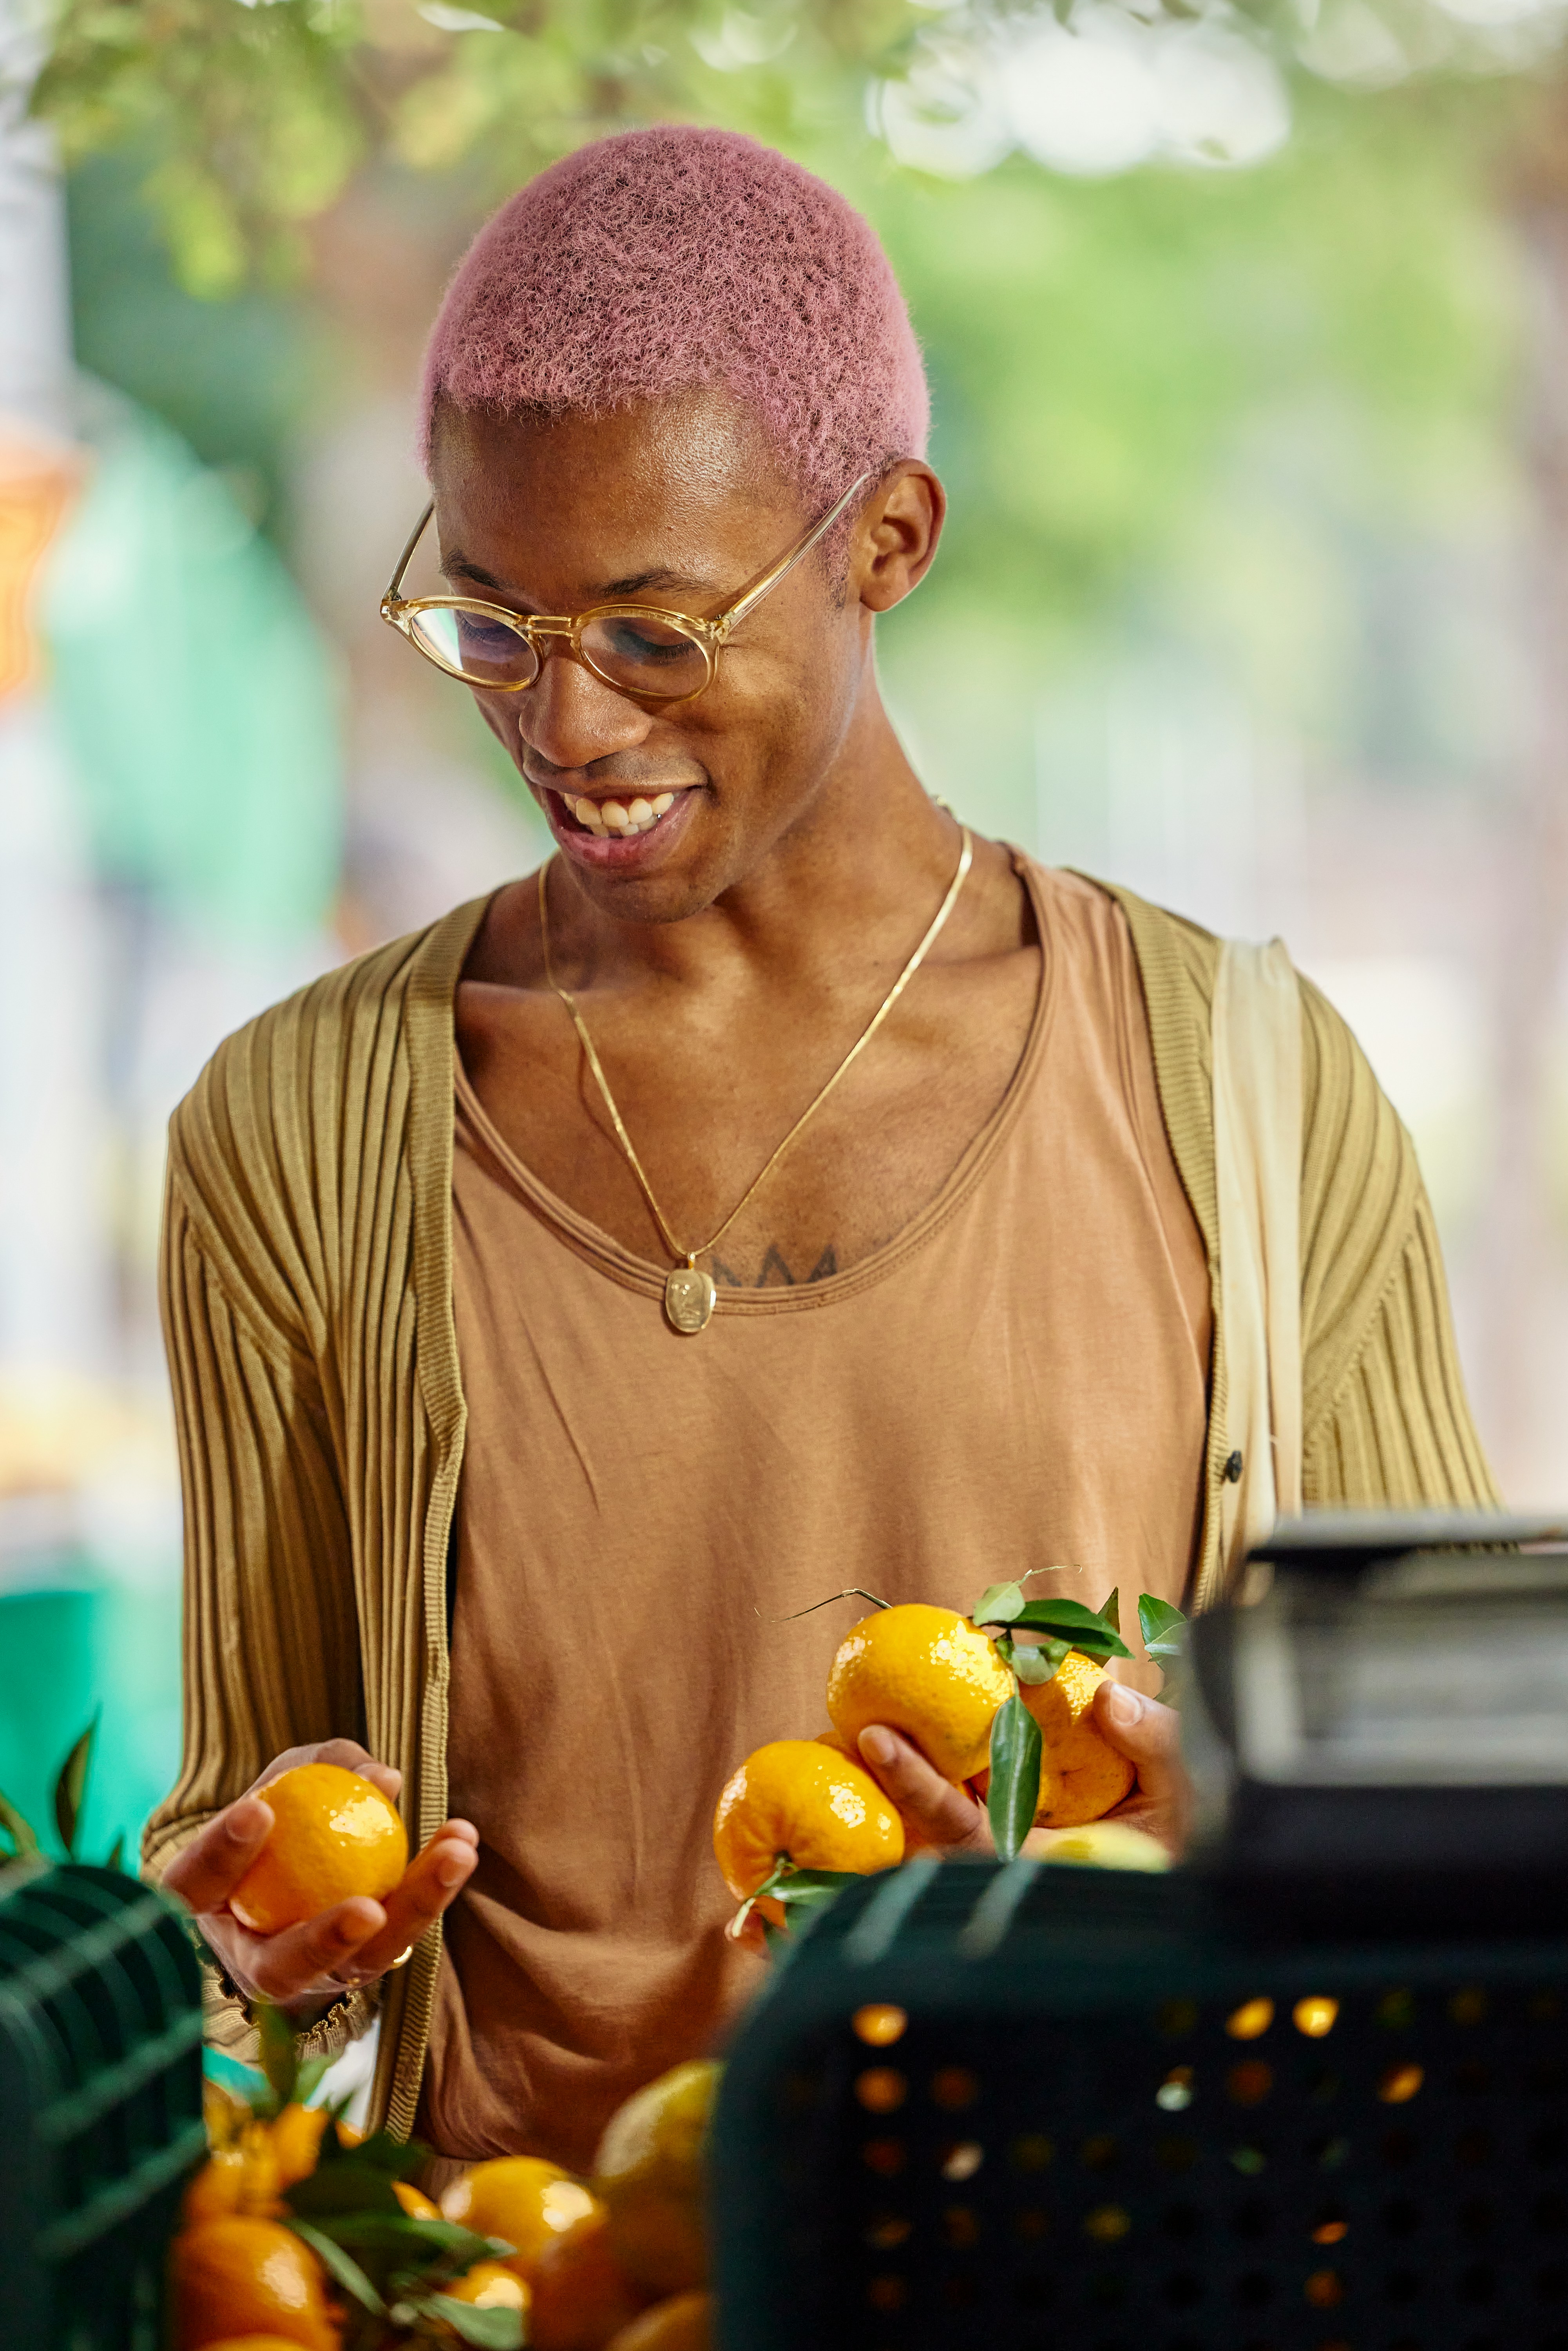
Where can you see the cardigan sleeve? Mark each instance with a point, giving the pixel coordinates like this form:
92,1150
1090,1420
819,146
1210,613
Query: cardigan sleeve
270,1652
1384,1417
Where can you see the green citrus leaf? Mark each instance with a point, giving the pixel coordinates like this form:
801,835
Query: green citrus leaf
279,2052
1043,1664
796,1889
19,1828
308,2078
809,1889
397,2158
430,2241
1014,1790
1162,1626
344,2188
998,1604
70,1788
488,2330
341,2266
1112,1613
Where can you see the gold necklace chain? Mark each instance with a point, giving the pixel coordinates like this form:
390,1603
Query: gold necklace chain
690,1294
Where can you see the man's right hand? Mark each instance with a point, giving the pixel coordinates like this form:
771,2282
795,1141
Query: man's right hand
306,1968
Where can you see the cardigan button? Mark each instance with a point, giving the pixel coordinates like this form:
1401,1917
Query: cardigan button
1232,1470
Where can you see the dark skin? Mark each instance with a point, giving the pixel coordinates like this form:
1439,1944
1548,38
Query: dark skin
724,962
725,969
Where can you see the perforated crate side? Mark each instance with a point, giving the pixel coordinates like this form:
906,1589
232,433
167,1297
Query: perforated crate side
1103,2125
100,2105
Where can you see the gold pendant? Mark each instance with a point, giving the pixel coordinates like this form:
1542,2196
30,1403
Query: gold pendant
689,1299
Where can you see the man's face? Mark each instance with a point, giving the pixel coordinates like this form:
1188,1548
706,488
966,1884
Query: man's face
676,503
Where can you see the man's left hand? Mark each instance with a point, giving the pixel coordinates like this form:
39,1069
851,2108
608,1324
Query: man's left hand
948,1820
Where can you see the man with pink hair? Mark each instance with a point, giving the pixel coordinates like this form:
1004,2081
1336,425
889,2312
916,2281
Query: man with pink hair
780,1191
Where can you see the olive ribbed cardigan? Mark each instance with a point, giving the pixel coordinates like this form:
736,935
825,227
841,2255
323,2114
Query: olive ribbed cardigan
307,1296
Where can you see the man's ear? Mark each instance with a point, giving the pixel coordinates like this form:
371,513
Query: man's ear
897,534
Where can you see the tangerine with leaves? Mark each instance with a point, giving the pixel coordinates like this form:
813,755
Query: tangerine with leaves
925,1672
520,2199
239,2276
296,2135
490,2285
800,1801
1082,1777
334,1834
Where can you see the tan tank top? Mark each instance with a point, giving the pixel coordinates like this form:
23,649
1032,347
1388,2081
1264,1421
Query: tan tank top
1017,1381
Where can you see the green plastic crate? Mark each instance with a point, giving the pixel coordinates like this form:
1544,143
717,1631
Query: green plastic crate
100,2106
1100,2129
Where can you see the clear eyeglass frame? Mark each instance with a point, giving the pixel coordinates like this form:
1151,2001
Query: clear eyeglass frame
536,631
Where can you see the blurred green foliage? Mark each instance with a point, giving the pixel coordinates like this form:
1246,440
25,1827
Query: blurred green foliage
235,378
258,114
1187,405
1094,346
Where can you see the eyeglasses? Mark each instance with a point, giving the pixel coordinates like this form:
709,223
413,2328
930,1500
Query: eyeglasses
639,648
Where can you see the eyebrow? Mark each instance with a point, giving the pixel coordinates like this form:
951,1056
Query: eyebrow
458,563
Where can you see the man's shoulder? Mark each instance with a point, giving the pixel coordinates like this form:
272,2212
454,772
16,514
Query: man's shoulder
310,1071
1177,958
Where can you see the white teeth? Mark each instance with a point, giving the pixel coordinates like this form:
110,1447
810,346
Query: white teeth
612,818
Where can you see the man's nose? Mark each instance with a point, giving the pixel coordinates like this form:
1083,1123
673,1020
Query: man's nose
570,717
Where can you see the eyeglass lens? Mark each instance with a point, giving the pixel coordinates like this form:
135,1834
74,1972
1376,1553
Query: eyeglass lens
631,651
642,655
476,644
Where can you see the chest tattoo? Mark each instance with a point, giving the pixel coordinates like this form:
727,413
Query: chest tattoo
776,1273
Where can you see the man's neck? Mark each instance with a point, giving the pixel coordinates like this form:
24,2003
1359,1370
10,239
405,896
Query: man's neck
867,851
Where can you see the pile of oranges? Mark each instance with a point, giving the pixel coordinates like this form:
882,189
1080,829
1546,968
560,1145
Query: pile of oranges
297,2234
616,2263
935,1676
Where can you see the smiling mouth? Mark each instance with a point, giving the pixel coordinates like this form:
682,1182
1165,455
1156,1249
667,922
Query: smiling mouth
617,819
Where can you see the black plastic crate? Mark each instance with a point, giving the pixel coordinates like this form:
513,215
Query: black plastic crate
1109,2123
100,2106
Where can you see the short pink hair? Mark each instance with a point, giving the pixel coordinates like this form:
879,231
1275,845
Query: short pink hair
668,258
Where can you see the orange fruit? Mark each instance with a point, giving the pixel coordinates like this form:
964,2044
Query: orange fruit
1081,1776
928,1673
215,2191
520,2199
297,2136
649,2171
490,2285
683,2324
255,2343
915,1837
334,1834
241,2276
797,1798
1098,1844
241,2177
415,2201
581,2296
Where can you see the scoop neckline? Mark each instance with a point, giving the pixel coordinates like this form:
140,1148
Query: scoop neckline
630,1272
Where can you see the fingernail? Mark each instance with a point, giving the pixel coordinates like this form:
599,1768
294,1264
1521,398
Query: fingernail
243,1820
1124,1707
449,1874
343,1933
879,1746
